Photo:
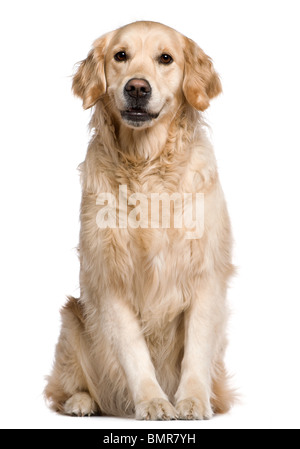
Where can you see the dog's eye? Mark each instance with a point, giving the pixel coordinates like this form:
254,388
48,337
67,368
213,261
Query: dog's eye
121,56
165,59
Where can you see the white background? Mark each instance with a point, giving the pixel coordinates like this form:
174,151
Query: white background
255,130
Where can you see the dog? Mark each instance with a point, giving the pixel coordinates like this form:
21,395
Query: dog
147,336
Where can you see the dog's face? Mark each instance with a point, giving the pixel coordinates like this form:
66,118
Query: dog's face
146,70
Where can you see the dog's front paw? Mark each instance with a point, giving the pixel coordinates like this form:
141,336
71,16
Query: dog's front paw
194,409
80,404
156,410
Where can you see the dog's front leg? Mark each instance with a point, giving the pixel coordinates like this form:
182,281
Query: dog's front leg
129,344
204,330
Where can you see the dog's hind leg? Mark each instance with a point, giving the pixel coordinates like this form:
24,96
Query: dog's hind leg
69,385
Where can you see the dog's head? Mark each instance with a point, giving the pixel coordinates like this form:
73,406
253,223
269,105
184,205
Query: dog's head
146,70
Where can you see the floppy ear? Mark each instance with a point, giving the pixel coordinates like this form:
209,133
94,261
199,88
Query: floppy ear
89,82
201,82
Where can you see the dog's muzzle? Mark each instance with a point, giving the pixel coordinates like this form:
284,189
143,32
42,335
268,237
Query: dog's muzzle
137,93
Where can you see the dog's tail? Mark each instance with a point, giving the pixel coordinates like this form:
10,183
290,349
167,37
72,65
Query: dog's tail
223,395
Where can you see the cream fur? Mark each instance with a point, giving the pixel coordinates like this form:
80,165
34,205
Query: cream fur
147,335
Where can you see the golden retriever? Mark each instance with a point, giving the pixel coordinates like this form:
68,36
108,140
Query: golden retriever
147,336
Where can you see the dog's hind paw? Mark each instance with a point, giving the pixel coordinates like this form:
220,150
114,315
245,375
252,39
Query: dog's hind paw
80,404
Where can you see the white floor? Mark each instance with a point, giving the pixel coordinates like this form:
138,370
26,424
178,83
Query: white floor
35,415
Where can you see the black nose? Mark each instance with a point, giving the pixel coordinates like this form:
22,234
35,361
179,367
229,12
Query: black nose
138,88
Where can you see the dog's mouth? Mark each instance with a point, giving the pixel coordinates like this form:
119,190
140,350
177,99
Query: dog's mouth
138,115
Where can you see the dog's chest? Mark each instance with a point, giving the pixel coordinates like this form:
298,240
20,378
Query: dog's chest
160,269
130,236
159,255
